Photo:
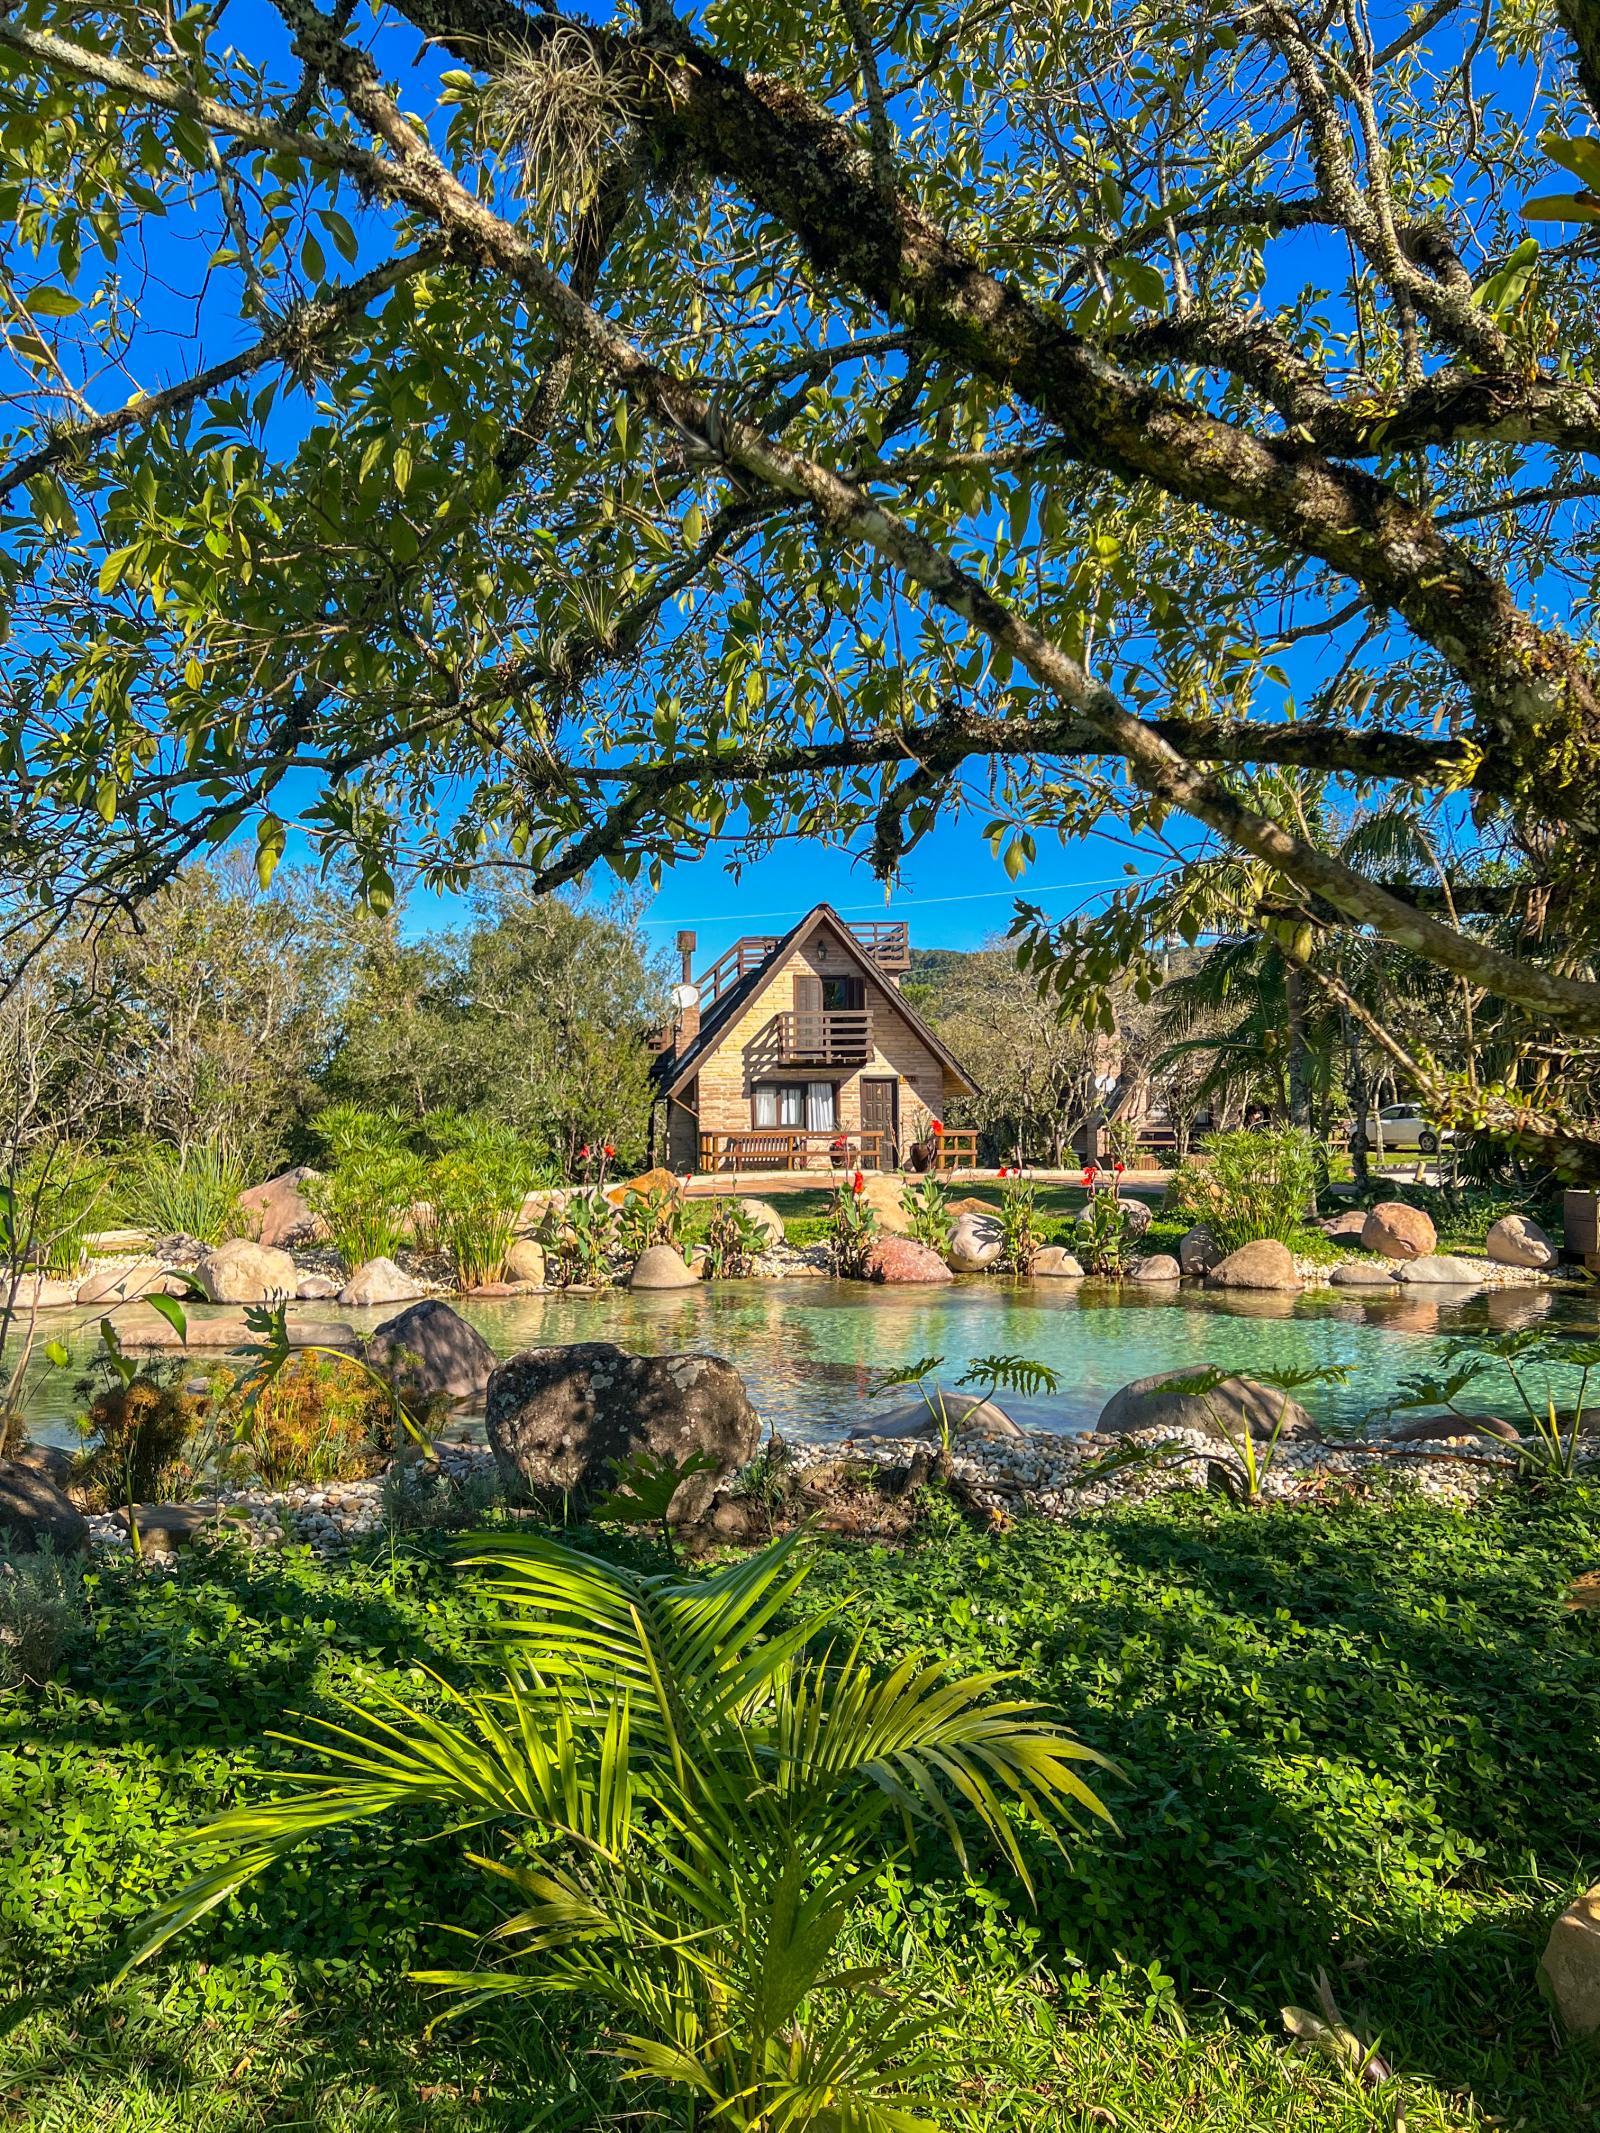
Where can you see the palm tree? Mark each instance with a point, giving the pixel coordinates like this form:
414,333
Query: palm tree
684,1792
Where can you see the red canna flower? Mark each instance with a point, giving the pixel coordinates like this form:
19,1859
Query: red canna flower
609,1150
583,1153
1088,1173
936,1125
1119,1168
858,1183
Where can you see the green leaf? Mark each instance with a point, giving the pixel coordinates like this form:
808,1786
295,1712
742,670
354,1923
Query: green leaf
1142,281
52,303
1562,207
111,570
1580,155
269,848
169,1308
1505,289
56,1352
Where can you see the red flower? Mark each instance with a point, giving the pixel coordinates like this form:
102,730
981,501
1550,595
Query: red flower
936,1125
1088,1173
1002,1172
1119,1168
583,1153
609,1150
858,1183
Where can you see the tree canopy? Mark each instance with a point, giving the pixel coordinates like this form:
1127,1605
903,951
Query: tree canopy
475,432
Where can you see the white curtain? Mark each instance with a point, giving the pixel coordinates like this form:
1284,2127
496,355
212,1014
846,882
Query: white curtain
819,1107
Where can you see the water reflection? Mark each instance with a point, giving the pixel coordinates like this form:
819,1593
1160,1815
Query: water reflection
811,1350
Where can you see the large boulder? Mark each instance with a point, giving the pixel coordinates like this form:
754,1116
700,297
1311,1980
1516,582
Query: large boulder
1157,1271
976,1243
1136,1217
1198,1251
379,1281
39,1292
1055,1263
1440,1270
766,1218
1569,1969
1517,1240
33,1509
886,1197
1398,1231
431,1350
117,1284
1261,1264
560,1420
240,1272
279,1213
900,1261
1346,1226
1237,1403
662,1266
525,1261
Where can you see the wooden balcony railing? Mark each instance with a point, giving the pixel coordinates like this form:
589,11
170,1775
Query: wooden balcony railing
887,941
840,1036
957,1148
790,1148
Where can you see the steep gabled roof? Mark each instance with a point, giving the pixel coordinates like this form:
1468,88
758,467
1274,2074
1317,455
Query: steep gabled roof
674,1069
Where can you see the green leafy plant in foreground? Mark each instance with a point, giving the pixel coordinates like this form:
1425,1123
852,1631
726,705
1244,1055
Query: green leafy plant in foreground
1549,1446
927,1207
986,1374
685,1807
643,1489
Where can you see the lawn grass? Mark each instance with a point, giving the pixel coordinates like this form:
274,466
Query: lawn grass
1353,1738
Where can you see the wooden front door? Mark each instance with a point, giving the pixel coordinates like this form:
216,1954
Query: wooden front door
880,1113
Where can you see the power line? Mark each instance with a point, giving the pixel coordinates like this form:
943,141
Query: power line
921,903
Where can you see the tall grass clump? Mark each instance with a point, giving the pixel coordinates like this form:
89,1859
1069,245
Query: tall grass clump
1256,1183
192,1193
41,1613
374,1179
475,1187
319,1418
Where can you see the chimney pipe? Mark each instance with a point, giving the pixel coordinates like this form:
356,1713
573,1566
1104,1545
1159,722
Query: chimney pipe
687,943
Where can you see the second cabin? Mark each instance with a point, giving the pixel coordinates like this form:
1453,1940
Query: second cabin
796,1051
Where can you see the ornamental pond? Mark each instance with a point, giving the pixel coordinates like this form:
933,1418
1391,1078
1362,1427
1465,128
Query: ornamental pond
810,1350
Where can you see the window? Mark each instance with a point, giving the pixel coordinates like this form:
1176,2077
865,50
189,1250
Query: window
805,1105
842,994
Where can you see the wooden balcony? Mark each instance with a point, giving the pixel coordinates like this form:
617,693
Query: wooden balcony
887,941
840,1036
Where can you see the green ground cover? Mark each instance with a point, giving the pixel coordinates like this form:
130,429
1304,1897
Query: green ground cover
1353,1738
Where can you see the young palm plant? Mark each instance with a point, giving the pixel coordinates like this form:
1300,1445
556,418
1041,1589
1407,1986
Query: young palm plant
685,1789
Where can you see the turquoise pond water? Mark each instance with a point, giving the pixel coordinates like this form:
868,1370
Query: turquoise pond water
810,1350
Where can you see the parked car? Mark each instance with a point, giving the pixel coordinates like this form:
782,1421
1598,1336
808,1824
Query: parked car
1400,1129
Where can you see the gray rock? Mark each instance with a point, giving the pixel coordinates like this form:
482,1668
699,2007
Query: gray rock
1055,1263
964,1413
1149,1404
1364,1274
1159,1269
1440,1270
279,1212
1198,1250
379,1281
1517,1240
560,1419
1346,1226
431,1350
976,1243
38,1292
239,1272
662,1266
168,1526
525,1261
118,1283
1262,1264
316,1288
766,1218
33,1509
1433,1429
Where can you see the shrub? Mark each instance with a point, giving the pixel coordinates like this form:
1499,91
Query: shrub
927,1211
653,1217
1259,1183
474,1188
366,1202
41,1613
142,1432
1102,1242
318,1418
195,1194
852,1225
734,1242
1021,1231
